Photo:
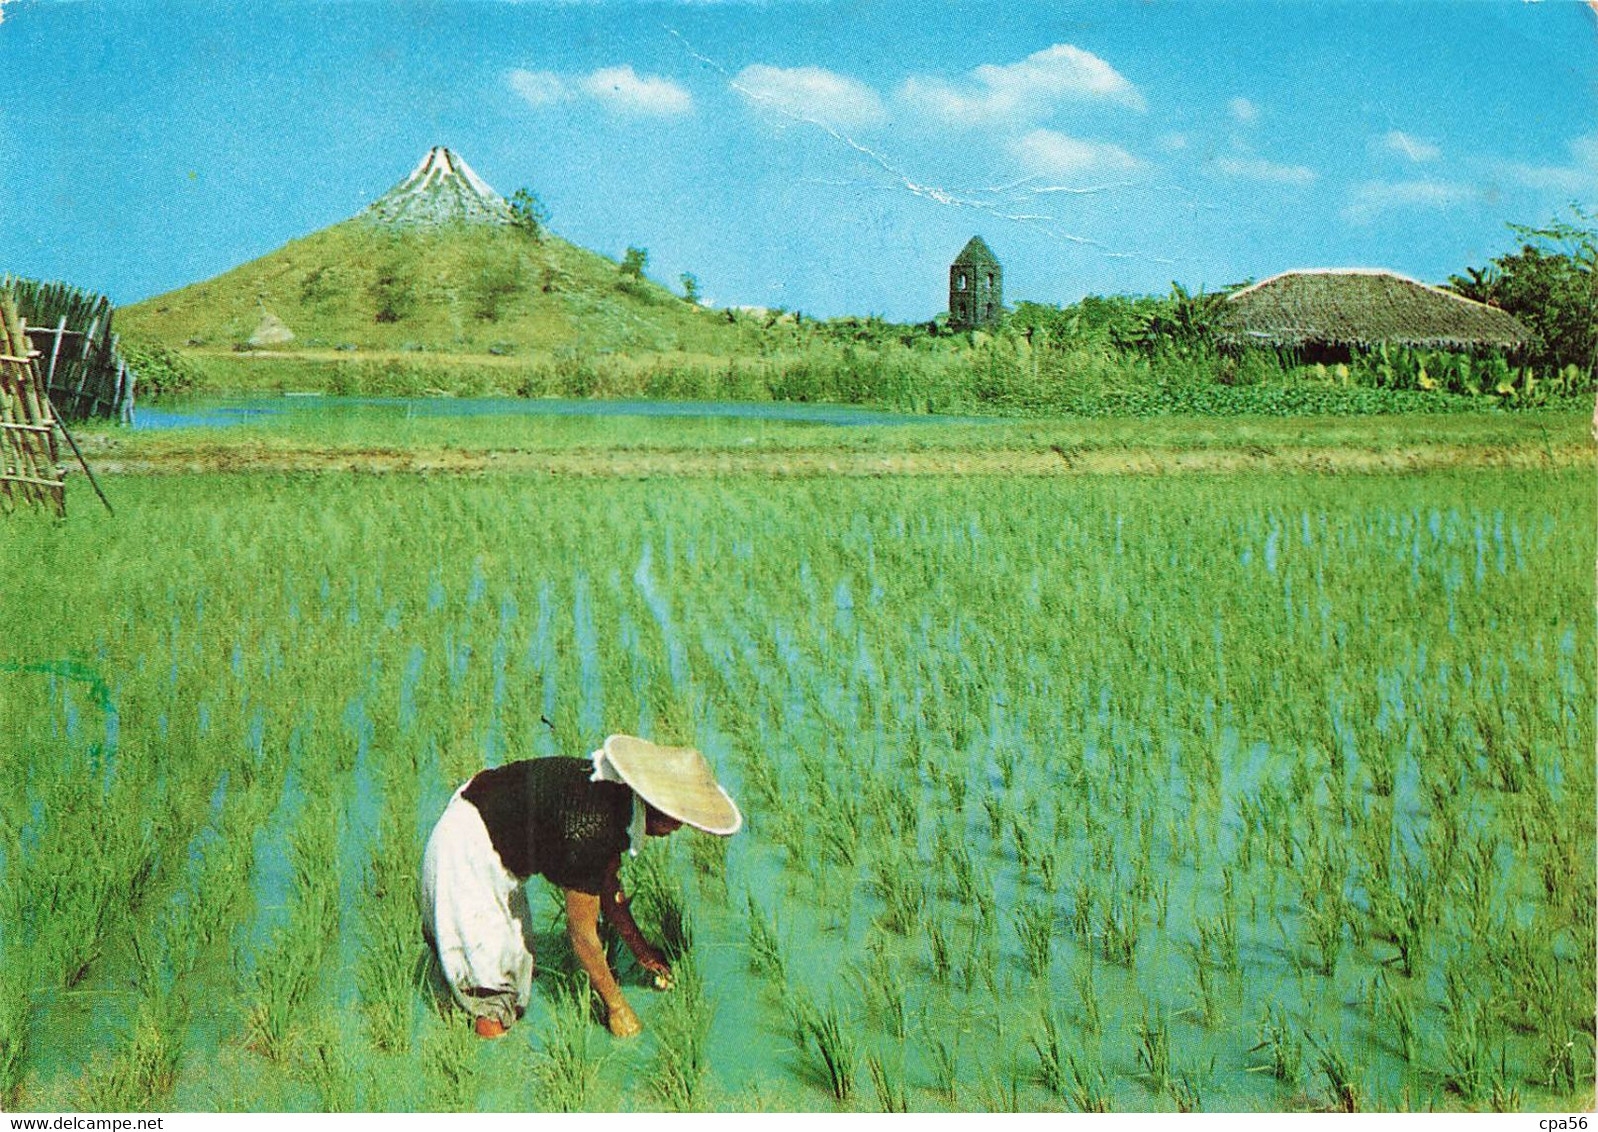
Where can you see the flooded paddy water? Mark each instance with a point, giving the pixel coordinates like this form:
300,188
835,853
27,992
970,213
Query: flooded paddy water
1221,792
221,412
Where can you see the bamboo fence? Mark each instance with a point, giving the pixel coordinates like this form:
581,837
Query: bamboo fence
30,468
82,367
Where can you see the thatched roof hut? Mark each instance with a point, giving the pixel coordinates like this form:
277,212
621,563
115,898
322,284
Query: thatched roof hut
1343,309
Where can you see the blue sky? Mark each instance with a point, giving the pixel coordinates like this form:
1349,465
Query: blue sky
830,158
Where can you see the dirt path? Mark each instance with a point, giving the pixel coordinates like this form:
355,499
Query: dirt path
248,457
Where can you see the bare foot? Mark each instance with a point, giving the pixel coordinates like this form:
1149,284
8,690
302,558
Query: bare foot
489,1027
623,1022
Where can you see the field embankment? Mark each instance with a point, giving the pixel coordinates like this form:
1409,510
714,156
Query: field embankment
387,439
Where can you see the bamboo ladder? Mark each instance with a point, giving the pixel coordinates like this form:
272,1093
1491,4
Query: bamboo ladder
30,468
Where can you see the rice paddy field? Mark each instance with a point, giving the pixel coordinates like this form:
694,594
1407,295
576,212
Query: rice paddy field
1212,791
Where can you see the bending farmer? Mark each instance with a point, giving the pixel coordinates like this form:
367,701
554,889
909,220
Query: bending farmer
568,820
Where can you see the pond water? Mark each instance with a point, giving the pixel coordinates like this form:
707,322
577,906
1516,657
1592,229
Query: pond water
223,412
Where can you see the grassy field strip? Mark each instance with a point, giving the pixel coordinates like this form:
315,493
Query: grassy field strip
1426,457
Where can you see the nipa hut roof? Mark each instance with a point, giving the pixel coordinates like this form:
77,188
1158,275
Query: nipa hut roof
1361,308
976,253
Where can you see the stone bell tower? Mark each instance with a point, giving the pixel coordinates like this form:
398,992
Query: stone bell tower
976,287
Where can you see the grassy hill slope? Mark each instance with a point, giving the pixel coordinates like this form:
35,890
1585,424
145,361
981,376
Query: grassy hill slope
462,289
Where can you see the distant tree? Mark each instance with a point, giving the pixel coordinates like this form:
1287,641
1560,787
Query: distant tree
634,262
690,287
1181,323
392,289
1550,284
528,214
495,276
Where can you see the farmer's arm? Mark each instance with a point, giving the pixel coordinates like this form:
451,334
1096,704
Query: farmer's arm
582,927
615,906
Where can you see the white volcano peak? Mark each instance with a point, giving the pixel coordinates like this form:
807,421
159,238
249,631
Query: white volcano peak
442,189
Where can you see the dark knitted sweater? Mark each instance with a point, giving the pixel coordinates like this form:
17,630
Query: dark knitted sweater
545,816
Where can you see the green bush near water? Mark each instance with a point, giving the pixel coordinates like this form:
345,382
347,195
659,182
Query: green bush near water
1002,376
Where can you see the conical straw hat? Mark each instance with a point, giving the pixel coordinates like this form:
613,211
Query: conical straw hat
677,781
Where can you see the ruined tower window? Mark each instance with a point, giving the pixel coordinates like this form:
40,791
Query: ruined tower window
960,282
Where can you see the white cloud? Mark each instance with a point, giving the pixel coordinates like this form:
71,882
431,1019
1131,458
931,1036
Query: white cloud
538,88
1579,176
1259,169
811,93
624,90
1016,92
1049,153
1372,198
1243,110
1410,147
1173,142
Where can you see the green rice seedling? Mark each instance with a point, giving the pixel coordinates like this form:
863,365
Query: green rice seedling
1001,1091
1089,1088
659,902
899,883
1021,836
1281,1044
388,942
1397,1007
1034,926
986,907
1205,1003
838,836
882,988
449,1073
1467,1060
1185,1091
1344,1090
1052,1068
963,873
1560,1059
993,807
285,976
954,786
709,858
981,958
800,1011
329,1068
891,1093
1478,883
1218,939
836,1051
1323,923
765,950
1120,931
1154,1049
1503,1092
945,1068
15,1010
939,960
682,1028
1084,902
1006,758
564,1065
144,1071
1087,994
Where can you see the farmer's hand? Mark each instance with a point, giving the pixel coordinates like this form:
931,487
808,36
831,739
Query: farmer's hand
655,963
623,1022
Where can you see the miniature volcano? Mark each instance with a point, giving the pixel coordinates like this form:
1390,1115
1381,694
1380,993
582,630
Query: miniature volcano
441,190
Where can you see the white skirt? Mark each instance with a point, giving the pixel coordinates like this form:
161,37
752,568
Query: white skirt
475,913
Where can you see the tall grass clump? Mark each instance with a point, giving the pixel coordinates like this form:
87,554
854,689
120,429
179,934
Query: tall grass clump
682,1029
565,1066
835,1050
